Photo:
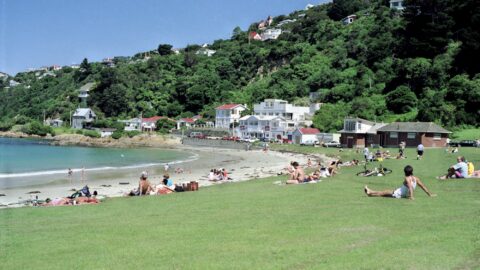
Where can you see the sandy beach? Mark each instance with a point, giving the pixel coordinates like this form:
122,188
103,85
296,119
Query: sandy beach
241,165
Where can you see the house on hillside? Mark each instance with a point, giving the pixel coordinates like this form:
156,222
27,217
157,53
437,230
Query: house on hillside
271,33
132,124
205,51
83,118
262,126
254,36
302,135
349,19
13,83
54,122
150,123
358,132
397,4
228,114
295,116
284,22
413,133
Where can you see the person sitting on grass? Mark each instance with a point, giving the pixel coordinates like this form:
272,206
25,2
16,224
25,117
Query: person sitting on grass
298,174
405,191
459,170
144,186
166,186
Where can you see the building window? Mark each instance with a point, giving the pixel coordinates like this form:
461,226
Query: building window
411,135
437,136
393,135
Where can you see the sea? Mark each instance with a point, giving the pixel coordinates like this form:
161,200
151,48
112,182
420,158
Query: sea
29,162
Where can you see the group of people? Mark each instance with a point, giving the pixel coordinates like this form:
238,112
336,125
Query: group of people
82,196
218,175
145,187
297,174
462,169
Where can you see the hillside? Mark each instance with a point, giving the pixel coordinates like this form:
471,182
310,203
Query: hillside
421,64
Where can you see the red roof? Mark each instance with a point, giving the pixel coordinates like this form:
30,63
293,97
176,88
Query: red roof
155,119
228,106
309,131
188,120
253,34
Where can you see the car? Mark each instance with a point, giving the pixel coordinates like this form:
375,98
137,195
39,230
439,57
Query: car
467,143
309,142
250,140
198,135
331,144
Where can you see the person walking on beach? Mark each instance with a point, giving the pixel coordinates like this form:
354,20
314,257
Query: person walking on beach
70,175
166,167
83,174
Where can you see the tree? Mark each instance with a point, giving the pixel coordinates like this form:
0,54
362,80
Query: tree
164,49
401,100
164,125
330,116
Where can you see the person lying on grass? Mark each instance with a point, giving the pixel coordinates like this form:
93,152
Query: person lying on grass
405,191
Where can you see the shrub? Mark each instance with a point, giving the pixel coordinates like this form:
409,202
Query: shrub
117,134
133,133
91,133
36,128
79,131
6,125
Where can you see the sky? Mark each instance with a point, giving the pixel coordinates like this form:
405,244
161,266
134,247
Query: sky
35,33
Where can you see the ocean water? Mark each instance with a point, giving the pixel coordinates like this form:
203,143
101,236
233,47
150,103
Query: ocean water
24,160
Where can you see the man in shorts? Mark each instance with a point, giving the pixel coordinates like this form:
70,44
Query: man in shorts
459,170
420,151
405,191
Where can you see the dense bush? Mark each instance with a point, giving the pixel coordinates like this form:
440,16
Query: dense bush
91,133
117,134
37,128
132,133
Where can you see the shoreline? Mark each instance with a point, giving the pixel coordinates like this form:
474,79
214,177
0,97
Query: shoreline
241,165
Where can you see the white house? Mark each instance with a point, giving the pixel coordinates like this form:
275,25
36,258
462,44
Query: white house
186,122
106,132
83,117
397,4
271,33
349,19
150,124
287,21
205,51
13,83
294,115
228,114
132,124
261,126
302,135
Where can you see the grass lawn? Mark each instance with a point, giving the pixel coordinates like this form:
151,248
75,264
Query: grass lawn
467,134
259,225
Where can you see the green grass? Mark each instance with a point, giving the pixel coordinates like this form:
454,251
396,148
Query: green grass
259,225
467,134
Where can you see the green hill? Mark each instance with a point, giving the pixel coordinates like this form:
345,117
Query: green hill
421,64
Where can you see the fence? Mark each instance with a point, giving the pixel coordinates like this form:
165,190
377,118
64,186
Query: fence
218,144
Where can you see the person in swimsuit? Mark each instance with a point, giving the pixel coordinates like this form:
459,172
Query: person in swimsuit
405,191
144,186
298,174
